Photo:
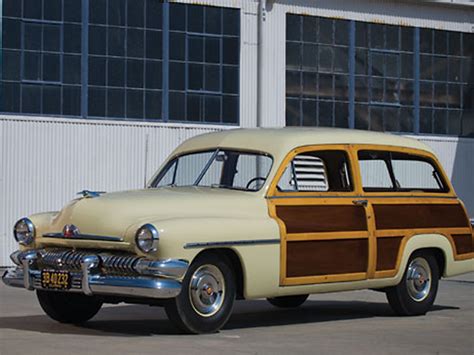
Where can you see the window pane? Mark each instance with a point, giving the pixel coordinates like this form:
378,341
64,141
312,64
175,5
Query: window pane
136,13
362,119
293,27
115,103
32,9
195,49
391,122
325,113
374,174
231,21
325,30
406,120
310,57
212,109
231,50
293,83
115,72
195,81
51,67
135,73
97,40
177,17
177,106
341,59
72,39
97,71
212,78
10,99
177,81
454,43
213,20
230,109
414,174
97,11
73,10
116,41
195,18
426,119
11,36
51,100
212,50
391,37
153,44
376,36
134,104
31,99
326,86
293,55
341,32
440,122
341,115
31,66
407,39
310,85
11,65
310,118
51,38
440,42
153,105
96,102
230,80
193,108
310,29
116,12
135,43
177,46
426,40
12,8
292,112
72,69
52,10
153,14
71,100
154,75
326,58
362,33
32,38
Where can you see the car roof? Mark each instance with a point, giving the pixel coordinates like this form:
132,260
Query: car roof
278,141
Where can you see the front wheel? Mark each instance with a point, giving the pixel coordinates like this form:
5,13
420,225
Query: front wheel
416,292
207,296
68,307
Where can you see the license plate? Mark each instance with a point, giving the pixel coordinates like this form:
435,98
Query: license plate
55,280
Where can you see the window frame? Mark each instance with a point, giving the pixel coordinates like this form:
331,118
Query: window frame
273,191
423,155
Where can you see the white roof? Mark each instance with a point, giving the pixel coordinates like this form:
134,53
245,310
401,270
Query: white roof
279,141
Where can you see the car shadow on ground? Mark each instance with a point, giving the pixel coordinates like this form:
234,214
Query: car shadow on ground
138,320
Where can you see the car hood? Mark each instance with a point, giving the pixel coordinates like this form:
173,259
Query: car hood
112,214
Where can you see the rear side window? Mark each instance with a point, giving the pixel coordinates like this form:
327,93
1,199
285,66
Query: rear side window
317,171
394,171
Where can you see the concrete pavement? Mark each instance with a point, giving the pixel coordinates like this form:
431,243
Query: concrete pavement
359,322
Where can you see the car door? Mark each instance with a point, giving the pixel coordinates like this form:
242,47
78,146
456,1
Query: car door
324,229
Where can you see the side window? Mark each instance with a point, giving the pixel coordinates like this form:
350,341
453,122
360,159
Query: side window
317,171
393,171
374,170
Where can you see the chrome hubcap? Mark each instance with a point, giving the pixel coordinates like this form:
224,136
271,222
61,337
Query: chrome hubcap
418,279
207,290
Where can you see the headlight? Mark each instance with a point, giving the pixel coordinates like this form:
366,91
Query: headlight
24,231
147,238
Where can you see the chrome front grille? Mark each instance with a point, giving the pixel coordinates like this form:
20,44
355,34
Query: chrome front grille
67,259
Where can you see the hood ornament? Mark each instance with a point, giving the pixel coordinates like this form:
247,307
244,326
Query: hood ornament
70,231
90,194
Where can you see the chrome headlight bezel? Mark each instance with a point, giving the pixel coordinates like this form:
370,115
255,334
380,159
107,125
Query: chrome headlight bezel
24,231
147,238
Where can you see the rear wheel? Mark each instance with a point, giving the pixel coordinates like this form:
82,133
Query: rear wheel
288,301
416,292
207,296
68,307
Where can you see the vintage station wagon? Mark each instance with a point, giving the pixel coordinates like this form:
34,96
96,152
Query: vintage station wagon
244,214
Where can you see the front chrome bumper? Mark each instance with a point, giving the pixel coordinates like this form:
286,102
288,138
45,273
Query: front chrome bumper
99,274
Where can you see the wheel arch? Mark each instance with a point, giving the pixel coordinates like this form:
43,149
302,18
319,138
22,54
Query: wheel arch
234,261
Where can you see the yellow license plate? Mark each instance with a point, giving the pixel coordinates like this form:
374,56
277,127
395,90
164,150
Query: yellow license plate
56,280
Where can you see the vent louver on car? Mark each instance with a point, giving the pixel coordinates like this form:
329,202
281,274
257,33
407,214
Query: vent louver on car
310,173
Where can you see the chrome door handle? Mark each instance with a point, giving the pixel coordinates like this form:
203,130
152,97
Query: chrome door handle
360,202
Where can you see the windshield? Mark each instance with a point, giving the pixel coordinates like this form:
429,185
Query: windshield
218,168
